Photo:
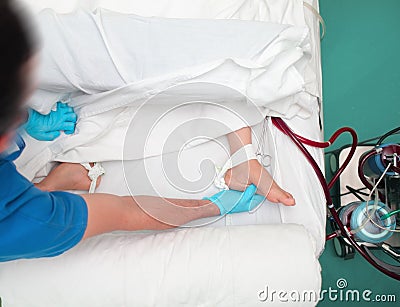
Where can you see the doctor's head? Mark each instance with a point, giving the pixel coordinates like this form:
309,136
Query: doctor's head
17,66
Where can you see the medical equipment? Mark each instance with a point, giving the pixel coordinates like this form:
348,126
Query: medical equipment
369,223
380,221
375,161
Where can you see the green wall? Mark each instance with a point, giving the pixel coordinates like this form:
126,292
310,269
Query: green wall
361,87
361,65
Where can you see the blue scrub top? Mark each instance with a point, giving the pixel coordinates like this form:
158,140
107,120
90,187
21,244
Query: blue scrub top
34,223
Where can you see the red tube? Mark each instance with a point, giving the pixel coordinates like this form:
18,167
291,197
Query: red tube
395,169
332,140
349,156
308,141
331,236
281,125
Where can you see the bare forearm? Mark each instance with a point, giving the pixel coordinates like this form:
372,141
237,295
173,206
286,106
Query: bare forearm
160,213
109,212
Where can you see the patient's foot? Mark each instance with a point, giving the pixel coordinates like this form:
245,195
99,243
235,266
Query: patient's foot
252,172
278,195
67,176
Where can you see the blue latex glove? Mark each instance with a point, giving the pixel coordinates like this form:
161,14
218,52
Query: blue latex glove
232,201
48,127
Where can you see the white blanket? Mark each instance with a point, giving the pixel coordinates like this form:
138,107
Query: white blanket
126,59
126,63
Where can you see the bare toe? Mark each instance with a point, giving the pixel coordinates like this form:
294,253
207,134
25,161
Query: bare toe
277,195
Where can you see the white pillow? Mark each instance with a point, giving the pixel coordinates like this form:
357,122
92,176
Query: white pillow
228,266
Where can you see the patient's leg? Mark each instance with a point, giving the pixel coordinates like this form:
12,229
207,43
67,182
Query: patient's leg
67,176
109,212
252,172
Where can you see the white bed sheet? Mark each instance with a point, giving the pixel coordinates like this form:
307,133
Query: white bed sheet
288,166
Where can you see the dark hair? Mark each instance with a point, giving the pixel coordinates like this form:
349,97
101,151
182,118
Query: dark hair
16,47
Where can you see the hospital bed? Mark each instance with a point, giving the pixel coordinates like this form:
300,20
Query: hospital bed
230,261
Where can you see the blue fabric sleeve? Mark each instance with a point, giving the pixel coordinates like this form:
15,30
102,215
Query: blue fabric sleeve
34,223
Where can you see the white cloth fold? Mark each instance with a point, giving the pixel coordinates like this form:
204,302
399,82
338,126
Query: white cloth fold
117,66
123,60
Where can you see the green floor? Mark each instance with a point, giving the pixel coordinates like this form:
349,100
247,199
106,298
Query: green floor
361,83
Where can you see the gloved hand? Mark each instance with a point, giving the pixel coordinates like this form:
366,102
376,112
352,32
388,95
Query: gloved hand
48,127
232,201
